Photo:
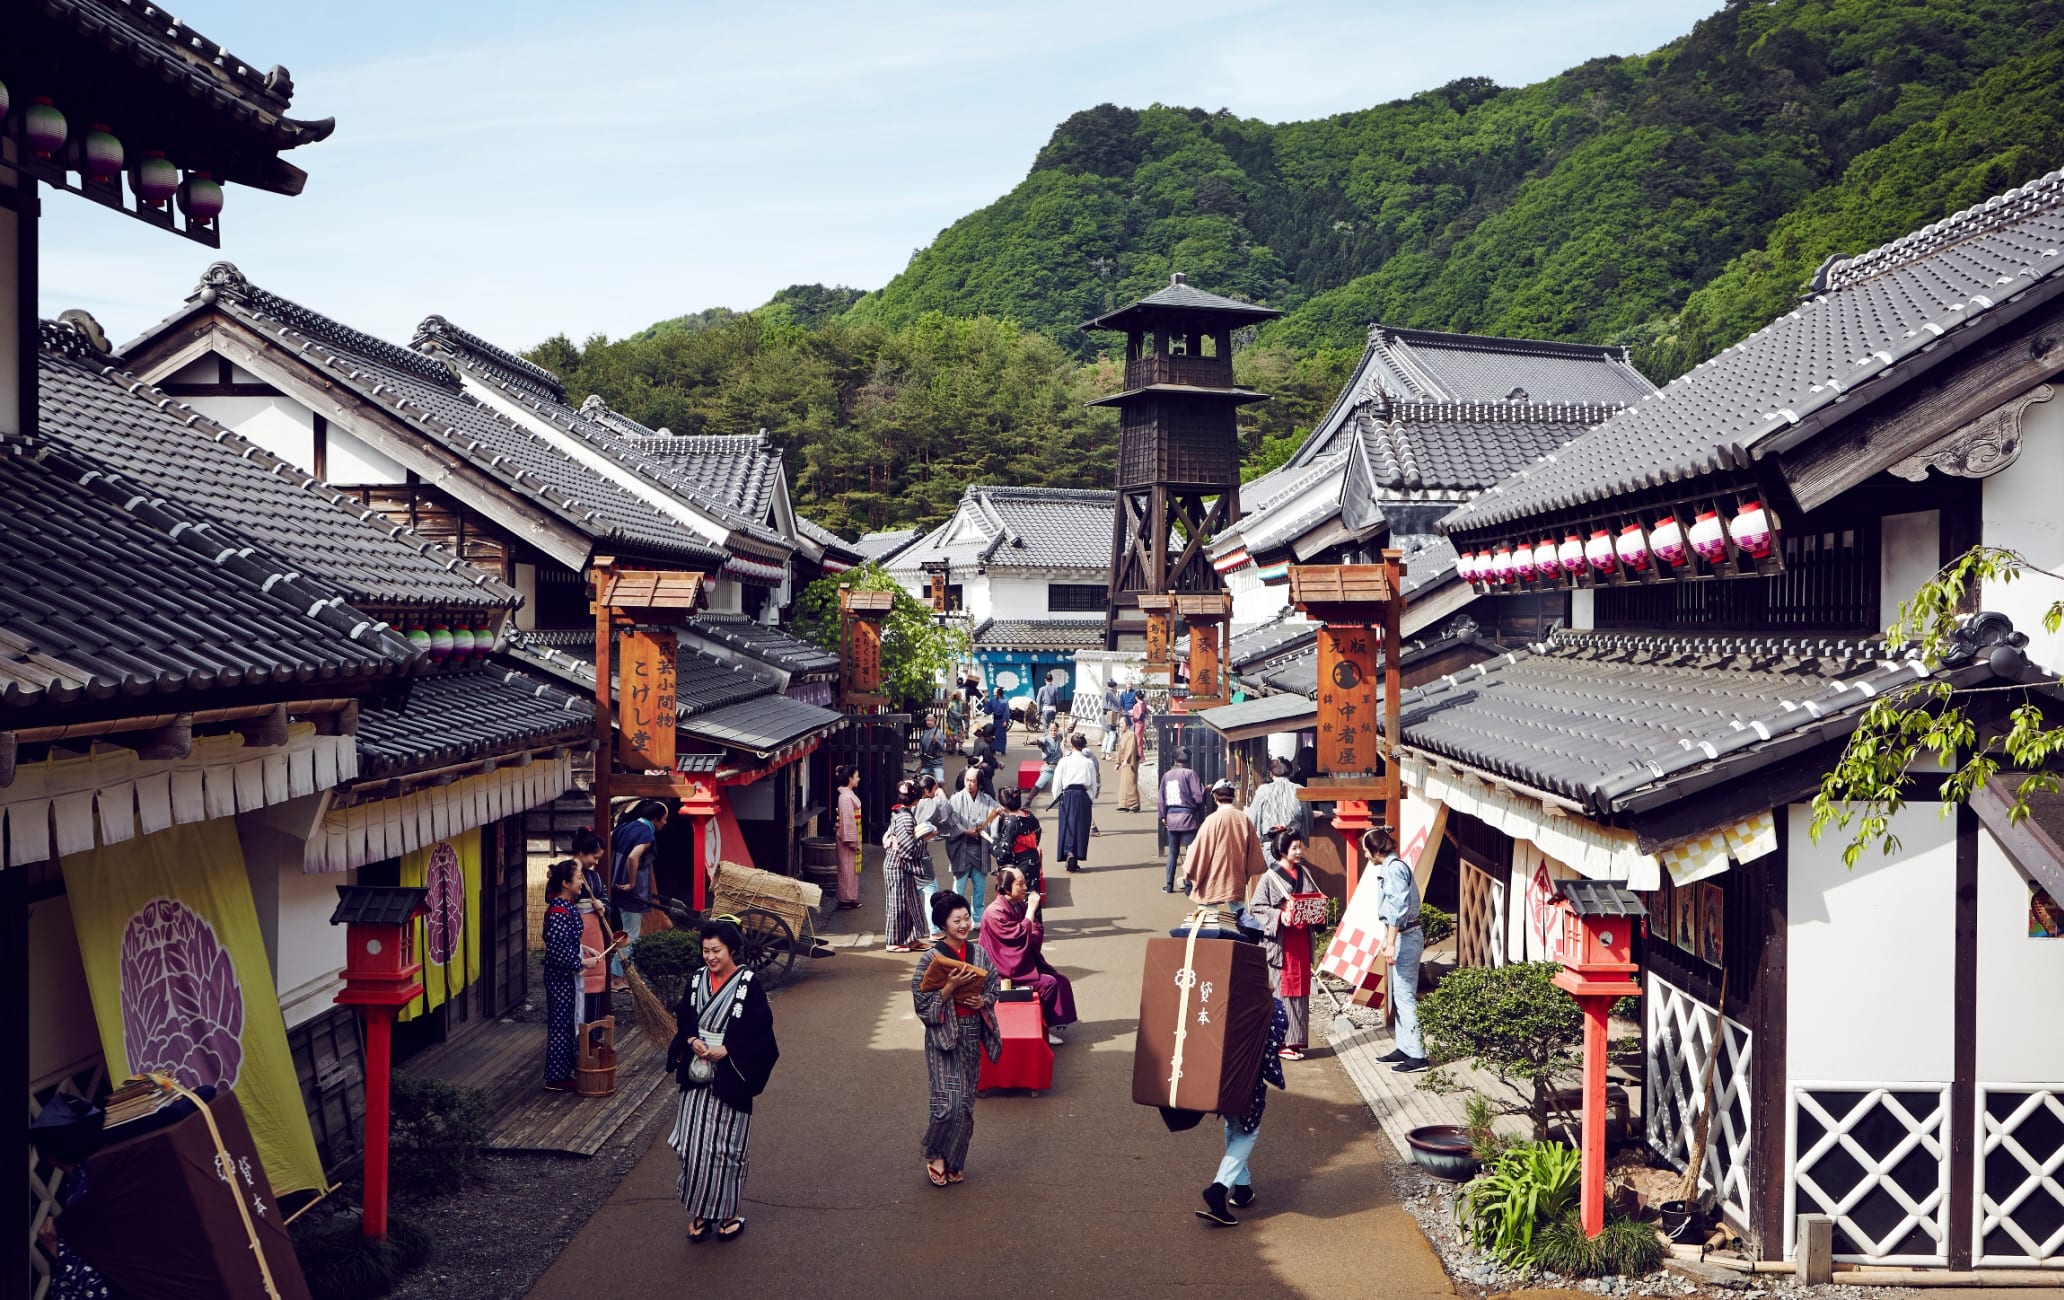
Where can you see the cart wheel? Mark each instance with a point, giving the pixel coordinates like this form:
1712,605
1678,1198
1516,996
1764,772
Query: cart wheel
769,946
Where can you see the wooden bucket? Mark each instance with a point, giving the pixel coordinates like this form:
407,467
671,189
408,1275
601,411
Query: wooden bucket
594,1070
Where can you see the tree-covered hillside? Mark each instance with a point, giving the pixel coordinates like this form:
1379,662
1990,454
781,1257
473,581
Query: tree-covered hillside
1589,206
1673,201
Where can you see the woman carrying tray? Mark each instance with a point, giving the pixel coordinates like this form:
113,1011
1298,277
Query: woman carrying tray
1287,908
957,1004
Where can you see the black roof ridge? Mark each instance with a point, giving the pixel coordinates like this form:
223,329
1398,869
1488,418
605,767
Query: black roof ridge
223,280
67,339
1996,213
581,515
441,327
627,453
1006,492
597,408
182,54
1499,343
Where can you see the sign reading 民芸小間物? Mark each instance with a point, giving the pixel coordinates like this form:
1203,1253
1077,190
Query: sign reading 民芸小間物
646,713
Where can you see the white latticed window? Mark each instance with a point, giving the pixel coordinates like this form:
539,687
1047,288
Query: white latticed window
1876,1160
2020,1176
1680,1041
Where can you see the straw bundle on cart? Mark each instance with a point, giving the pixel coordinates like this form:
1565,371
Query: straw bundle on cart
738,888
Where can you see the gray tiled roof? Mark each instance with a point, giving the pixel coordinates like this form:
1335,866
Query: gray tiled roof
1182,296
702,682
769,645
1256,712
118,421
884,545
1040,634
1597,717
457,717
423,392
739,471
109,592
826,538
763,725
1877,315
150,44
1434,366
1021,528
1463,447
534,389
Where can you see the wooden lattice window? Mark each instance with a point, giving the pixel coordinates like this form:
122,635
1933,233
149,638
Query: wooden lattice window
1480,922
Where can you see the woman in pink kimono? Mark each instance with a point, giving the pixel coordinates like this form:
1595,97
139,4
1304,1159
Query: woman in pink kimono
848,782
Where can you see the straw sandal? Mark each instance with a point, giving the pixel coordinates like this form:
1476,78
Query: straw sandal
938,1176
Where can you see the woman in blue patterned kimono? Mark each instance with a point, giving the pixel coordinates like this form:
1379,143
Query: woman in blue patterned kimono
564,962
960,1025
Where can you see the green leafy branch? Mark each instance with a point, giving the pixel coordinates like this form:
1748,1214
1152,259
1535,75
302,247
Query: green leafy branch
1930,721
917,650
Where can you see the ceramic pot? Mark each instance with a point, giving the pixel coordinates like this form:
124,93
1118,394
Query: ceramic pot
1443,1150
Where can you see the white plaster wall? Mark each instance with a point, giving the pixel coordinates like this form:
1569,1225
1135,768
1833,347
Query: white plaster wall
1254,601
977,595
2021,511
2019,979
62,1031
351,461
311,950
526,582
1871,959
1015,597
281,425
1909,553
1580,603
725,597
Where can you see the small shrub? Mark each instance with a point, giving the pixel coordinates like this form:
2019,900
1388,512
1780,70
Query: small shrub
437,1130
1532,1184
1628,1008
666,959
1485,1142
340,1264
1625,1248
1435,924
1513,1021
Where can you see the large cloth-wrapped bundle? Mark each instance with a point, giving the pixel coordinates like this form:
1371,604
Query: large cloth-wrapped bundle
162,1218
1204,1018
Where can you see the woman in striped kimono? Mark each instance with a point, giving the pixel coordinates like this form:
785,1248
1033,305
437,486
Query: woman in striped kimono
960,1025
722,1054
903,857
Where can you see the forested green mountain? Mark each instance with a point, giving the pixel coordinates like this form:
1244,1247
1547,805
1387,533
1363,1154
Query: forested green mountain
1589,206
1674,201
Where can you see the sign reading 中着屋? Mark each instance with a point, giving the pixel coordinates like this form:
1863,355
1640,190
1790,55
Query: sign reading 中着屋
646,714
1347,701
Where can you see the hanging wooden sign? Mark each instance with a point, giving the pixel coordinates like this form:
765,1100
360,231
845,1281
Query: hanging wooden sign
646,699
1348,719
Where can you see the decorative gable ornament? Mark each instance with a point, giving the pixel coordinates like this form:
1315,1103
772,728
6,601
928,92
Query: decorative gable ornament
1979,449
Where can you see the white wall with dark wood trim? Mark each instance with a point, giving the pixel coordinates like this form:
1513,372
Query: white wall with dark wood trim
1870,995
2020,980
2022,512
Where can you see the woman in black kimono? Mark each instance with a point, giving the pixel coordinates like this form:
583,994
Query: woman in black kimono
722,1055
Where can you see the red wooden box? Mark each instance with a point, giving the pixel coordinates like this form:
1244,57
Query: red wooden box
1027,1060
1028,774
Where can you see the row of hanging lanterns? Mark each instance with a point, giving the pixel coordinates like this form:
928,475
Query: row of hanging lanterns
98,157
453,645
1663,546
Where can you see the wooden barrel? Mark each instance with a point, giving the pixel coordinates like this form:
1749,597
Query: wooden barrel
595,1081
820,862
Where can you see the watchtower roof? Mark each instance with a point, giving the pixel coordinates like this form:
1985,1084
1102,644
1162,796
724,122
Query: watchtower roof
1180,301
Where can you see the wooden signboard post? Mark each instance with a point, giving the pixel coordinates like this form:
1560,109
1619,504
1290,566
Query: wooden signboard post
635,610
1209,617
861,614
1361,606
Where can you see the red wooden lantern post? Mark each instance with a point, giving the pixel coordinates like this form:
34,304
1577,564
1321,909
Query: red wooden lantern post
1598,969
380,978
699,805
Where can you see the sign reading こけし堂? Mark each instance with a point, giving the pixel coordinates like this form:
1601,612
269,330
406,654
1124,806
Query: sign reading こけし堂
646,699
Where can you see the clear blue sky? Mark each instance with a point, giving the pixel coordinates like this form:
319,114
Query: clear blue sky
526,168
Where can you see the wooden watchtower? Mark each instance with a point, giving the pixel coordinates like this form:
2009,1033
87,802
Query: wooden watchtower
1178,445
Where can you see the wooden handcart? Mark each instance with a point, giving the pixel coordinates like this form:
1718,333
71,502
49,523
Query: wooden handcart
777,914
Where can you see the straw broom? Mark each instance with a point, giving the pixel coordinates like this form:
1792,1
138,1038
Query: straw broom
652,1013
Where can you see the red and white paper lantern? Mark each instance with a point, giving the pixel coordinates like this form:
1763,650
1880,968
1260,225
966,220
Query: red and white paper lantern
1666,541
1709,537
1753,531
1600,554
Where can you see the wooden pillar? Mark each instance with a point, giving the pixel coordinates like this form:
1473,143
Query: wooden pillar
1393,687
605,749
